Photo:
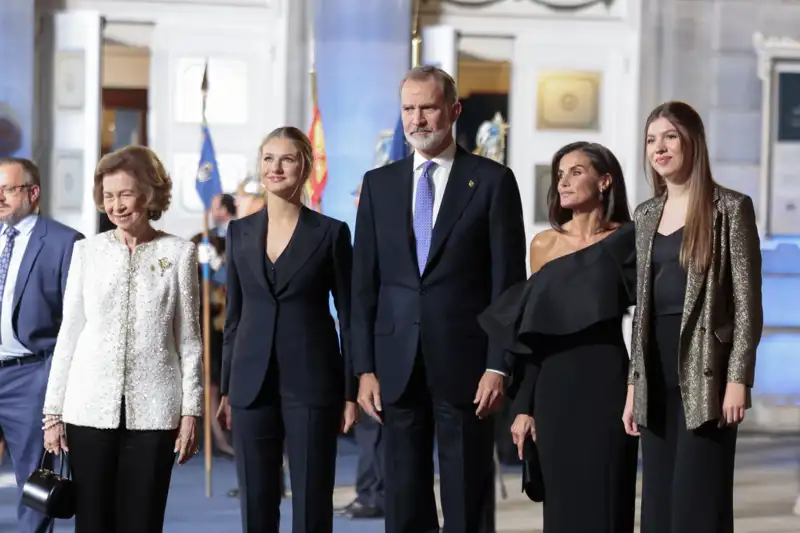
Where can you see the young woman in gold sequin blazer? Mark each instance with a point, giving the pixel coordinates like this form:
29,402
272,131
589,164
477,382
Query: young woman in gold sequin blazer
697,324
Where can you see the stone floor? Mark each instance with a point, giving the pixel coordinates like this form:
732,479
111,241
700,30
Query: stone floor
767,484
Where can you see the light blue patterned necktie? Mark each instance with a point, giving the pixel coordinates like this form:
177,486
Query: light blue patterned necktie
5,260
423,215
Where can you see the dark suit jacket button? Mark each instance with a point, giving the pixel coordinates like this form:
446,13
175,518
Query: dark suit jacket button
416,322
422,291
708,373
636,375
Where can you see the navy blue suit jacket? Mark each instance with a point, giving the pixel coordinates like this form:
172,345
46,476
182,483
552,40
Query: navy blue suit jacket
477,251
42,278
289,324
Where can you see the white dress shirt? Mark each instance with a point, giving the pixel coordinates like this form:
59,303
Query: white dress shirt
10,347
131,329
441,172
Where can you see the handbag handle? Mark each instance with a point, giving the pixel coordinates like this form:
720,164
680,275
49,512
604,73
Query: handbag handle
63,458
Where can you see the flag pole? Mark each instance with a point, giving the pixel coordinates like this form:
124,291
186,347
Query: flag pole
206,322
312,74
416,38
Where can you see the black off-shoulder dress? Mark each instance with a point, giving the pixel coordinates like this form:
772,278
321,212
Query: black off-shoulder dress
565,325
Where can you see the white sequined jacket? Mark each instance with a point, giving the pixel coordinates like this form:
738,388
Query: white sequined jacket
130,329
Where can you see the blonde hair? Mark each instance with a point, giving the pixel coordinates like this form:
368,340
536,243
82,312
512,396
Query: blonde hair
303,144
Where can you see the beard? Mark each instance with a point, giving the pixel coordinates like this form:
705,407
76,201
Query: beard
424,141
13,218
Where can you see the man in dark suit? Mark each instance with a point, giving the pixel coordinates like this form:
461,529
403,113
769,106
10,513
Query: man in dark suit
35,254
439,235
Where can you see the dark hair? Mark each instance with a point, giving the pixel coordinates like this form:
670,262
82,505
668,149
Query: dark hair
697,236
603,161
146,168
228,203
29,169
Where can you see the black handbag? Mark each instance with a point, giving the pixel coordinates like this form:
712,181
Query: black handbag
49,493
532,480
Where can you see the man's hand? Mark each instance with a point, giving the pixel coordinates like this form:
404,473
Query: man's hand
369,396
224,413
489,397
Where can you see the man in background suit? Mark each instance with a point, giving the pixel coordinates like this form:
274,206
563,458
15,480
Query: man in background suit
35,254
369,500
439,235
223,210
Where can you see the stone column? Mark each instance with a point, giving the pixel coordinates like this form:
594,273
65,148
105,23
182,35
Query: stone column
17,24
363,49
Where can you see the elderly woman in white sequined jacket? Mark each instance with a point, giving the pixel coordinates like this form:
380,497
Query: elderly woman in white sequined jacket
125,393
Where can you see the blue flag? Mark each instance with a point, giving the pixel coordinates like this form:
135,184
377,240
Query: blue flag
399,148
207,182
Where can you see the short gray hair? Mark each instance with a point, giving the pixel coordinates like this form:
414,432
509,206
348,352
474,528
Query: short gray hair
444,80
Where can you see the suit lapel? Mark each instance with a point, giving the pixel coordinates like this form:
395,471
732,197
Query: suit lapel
400,208
695,281
35,245
646,233
255,242
308,235
461,185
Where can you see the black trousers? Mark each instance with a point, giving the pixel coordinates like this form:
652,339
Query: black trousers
121,478
466,472
687,476
310,434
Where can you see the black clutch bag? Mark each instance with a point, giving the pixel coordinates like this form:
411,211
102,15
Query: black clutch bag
532,481
50,493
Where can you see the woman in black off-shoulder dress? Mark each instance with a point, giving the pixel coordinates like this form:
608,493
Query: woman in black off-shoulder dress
565,326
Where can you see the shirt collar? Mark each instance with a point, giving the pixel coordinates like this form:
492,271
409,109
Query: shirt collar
222,229
444,160
24,226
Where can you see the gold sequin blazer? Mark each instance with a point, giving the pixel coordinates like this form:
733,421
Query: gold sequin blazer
130,329
722,314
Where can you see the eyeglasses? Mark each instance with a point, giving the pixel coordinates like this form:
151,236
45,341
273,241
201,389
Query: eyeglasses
14,190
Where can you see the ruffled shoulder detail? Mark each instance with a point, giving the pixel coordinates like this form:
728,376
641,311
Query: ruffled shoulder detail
567,295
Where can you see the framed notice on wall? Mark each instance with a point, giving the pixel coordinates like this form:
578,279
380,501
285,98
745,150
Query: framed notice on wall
785,186
568,100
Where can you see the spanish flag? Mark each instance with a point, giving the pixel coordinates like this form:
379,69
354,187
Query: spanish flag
315,185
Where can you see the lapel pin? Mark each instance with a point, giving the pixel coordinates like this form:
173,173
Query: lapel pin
471,183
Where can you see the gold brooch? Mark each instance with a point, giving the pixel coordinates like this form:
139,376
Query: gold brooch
163,264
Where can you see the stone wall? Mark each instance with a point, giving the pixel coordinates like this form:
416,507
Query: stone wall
701,52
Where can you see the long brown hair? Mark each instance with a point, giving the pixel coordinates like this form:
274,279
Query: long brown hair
696,247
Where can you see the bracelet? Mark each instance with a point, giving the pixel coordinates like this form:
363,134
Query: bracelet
51,421
51,424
